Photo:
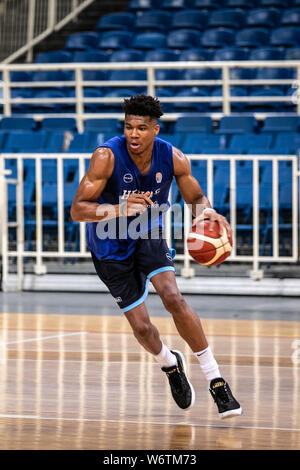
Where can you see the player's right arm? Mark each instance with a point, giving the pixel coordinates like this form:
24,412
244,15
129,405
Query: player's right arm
86,208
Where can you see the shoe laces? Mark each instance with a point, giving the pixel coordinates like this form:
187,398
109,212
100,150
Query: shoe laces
177,380
222,393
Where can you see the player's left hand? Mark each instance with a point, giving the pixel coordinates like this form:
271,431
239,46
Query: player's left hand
213,216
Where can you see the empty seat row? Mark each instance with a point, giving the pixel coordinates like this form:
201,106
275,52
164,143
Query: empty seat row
165,54
173,5
188,124
162,20
185,38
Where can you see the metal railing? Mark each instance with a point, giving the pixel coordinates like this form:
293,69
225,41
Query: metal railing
23,24
75,88
19,253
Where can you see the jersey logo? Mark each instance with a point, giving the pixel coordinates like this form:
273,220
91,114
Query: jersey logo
128,178
168,256
118,299
158,177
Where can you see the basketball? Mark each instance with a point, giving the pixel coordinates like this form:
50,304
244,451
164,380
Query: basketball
208,247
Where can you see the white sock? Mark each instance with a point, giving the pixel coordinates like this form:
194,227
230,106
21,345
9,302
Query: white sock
165,358
208,364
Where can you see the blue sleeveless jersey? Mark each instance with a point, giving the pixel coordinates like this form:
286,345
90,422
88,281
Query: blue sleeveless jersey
116,238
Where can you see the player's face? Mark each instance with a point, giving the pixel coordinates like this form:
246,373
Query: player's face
140,132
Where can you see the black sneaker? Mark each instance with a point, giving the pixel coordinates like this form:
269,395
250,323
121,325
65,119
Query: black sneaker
225,401
182,391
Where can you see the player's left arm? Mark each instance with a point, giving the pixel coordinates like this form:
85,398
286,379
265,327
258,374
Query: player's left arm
192,193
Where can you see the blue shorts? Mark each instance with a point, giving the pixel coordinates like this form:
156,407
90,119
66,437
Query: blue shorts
127,280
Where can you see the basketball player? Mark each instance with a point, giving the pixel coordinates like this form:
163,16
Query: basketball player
128,177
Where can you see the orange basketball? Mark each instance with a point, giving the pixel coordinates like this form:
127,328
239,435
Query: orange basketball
208,247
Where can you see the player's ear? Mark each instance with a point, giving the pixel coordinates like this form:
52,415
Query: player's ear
156,128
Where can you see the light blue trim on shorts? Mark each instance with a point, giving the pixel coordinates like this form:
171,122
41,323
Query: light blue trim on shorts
139,301
145,294
160,270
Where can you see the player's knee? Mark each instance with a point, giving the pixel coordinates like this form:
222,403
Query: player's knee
172,300
142,329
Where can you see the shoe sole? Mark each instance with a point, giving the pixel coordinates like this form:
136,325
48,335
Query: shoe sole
191,386
231,413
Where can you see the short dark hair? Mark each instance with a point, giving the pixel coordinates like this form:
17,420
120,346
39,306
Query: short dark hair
142,105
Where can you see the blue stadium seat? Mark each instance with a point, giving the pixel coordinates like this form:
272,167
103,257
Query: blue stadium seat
231,53
227,18
154,20
14,123
291,17
53,57
127,55
102,125
205,144
167,74
54,142
79,143
90,56
19,76
140,5
266,53
149,41
237,125
81,41
22,141
2,139
191,106
281,124
190,19
174,5
287,142
49,105
113,40
208,4
263,17
161,55
201,74
59,124
245,143
252,37
245,4
272,91
92,92
189,124
217,37
273,73
286,36
116,21
194,54
183,39
124,75
275,3
234,92
242,74
292,53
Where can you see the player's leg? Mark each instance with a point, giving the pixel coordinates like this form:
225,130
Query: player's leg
171,362
190,329
129,287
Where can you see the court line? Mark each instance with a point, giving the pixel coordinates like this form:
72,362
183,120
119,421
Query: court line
160,423
28,340
122,362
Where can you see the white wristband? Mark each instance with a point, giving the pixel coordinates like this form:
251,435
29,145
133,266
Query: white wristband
209,209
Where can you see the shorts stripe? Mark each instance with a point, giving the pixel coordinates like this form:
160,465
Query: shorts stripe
139,301
160,270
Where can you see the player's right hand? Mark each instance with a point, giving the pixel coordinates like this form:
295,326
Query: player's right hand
135,204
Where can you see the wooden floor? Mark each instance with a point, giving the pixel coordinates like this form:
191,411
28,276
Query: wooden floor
83,382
